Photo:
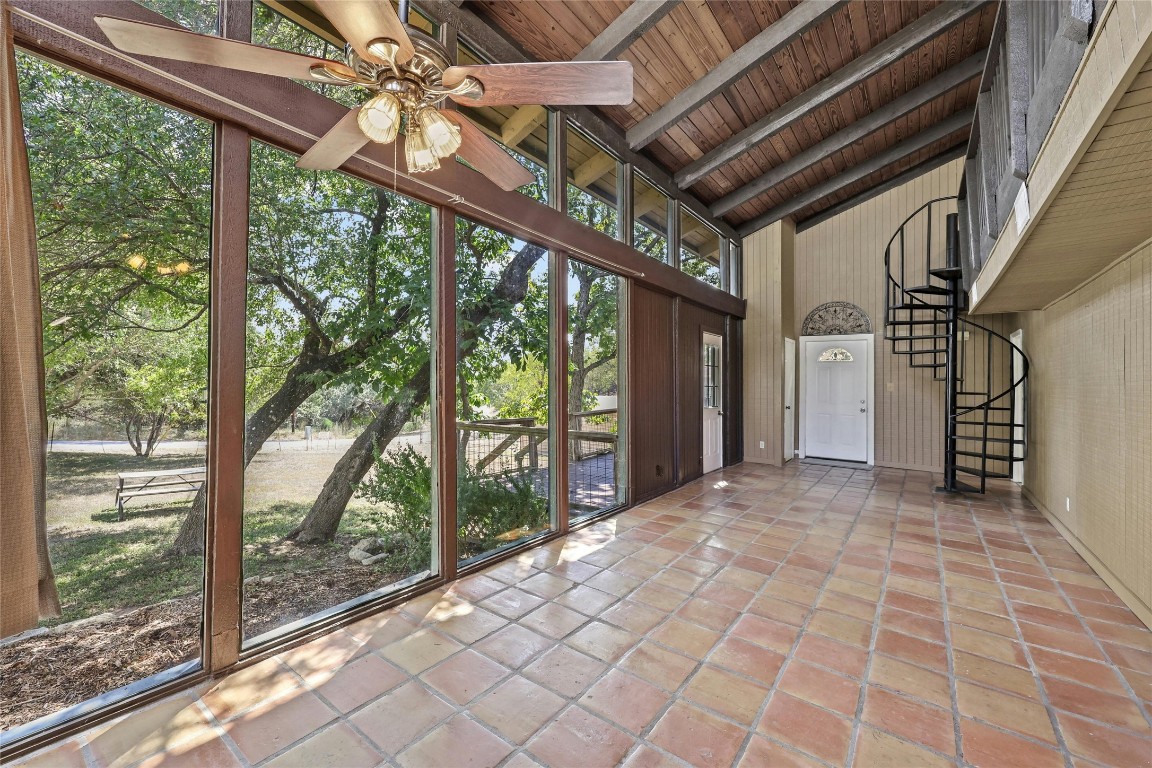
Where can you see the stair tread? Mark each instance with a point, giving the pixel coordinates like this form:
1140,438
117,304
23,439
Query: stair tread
989,439
915,322
947,273
930,290
989,456
920,336
960,487
906,307
990,423
983,394
980,473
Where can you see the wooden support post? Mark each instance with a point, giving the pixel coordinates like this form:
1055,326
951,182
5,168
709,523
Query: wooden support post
444,444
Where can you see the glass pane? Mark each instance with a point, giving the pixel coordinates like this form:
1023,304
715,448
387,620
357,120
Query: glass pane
593,390
502,392
337,491
123,202
273,30
591,174
522,130
699,249
649,219
196,15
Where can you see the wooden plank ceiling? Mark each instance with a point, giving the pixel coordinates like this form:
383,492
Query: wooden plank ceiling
695,37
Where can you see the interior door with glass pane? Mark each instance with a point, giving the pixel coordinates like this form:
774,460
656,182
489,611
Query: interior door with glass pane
713,453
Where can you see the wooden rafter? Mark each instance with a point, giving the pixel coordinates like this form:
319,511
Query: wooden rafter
894,154
637,19
495,45
776,37
895,47
962,73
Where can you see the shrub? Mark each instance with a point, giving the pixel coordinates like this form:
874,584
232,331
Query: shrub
492,510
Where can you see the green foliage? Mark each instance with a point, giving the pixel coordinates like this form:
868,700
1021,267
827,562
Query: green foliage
492,510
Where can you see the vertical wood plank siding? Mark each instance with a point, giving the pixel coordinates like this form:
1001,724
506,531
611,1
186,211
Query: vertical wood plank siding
842,259
1091,420
650,377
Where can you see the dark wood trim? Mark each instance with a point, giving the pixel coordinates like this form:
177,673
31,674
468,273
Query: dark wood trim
772,39
912,100
291,117
894,154
225,460
444,355
896,181
235,18
558,384
897,46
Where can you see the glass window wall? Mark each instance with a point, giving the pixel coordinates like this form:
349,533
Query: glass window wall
503,332
337,489
122,195
649,219
594,482
699,249
592,175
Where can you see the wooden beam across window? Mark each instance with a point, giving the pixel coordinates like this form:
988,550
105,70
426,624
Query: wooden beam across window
894,154
770,41
934,23
958,75
292,117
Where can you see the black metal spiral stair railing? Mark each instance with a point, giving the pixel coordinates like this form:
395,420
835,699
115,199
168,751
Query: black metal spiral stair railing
984,373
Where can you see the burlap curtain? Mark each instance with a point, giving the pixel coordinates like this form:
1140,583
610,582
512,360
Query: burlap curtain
27,586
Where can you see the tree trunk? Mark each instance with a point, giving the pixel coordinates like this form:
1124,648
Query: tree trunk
300,382
323,519
155,432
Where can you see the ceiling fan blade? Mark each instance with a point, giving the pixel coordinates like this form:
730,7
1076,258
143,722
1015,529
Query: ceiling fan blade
547,82
341,142
488,157
166,42
362,21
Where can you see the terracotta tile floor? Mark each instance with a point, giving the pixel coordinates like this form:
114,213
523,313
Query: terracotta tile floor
759,617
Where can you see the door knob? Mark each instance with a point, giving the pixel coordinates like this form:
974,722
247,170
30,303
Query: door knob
861,410
787,407
719,413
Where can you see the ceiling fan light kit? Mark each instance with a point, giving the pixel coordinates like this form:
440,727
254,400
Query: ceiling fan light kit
410,75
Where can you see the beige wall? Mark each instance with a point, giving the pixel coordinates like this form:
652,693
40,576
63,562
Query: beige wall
768,277
1090,429
842,259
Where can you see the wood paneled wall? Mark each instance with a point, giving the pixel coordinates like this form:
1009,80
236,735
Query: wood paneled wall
692,322
768,286
842,259
1090,427
651,395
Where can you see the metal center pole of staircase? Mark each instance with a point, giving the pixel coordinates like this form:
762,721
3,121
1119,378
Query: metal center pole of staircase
951,369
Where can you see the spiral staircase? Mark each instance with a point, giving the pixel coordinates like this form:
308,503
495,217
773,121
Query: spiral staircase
984,373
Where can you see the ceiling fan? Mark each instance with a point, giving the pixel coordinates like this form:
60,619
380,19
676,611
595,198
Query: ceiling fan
409,74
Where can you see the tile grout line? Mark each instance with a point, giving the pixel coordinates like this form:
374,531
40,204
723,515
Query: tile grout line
790,656
953,690
857,720
1011,615
1088,630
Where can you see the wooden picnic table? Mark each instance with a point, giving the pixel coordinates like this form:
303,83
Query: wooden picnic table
130,485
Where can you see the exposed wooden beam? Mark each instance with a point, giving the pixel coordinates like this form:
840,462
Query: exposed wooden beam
626,29
935,22
593,168
637,19
963,72
521,123
495,46
898,180
893,154
777,36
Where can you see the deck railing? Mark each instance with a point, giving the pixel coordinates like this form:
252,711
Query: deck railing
1035,49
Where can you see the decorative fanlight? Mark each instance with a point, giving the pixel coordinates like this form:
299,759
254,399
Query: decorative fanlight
835,355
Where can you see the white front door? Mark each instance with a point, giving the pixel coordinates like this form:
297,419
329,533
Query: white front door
836,375
789,399
713,357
